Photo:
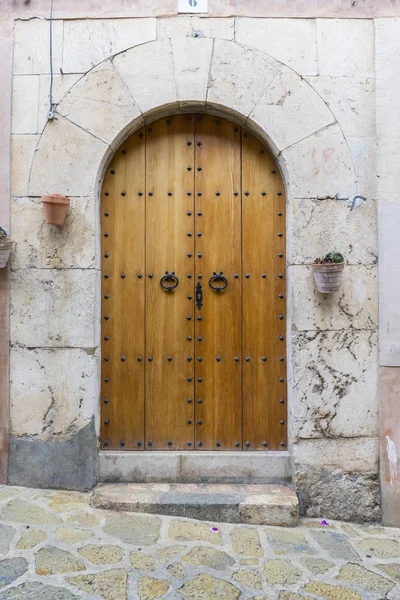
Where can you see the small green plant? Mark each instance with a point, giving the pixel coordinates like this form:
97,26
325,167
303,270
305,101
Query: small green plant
331,257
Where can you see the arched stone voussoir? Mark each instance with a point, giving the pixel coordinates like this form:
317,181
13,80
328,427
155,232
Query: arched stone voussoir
67,160
101,103
320,166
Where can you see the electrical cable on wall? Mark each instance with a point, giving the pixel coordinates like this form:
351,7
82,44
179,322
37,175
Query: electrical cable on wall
50,114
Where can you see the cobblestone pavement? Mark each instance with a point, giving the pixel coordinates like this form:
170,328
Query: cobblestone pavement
54,546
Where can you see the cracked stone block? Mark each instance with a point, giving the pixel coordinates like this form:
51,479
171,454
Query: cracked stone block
329,223
291,41
320,166
102,555
23,149
281,572
365,579
134,530
25,98
88,42
184,531
283,542
67,295
148,73
39,591
192,58
165,554
331,592
100,91
58,385
317,566
391,569
51,561
61,85
345,47
70,535
207,586
30,539
338,392
42,246
355,305
142,562
30,514
248,578
290,110
150,588
110,585
209,557
31,46
72,174
237,78
6,536
336,544
177,571
11,569
380,548
174,27
246,542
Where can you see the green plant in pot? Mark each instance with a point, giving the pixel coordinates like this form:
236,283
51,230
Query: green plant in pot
328,272
6,245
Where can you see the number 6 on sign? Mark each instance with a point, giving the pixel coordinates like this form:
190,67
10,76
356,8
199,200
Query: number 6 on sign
192,6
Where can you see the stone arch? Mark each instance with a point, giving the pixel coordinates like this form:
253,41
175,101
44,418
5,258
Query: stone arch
205,74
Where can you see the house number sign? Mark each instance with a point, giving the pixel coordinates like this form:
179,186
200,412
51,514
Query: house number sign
192,6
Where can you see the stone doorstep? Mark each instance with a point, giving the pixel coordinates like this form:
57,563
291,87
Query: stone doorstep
230,503
198,467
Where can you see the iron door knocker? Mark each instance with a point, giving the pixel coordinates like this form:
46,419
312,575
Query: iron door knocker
218,277
169,277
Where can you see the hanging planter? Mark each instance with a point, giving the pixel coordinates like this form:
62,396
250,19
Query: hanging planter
55,208
328,272
6,245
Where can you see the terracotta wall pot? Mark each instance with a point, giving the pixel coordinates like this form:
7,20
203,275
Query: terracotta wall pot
5,251
328,277
55,208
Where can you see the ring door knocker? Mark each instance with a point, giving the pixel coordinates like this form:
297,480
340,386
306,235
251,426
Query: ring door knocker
218,278
169,281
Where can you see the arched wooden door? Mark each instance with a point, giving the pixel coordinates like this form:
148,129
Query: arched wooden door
195,203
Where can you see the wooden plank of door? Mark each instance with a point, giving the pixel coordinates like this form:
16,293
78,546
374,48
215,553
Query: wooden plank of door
218,323
122,304
169,315
264,302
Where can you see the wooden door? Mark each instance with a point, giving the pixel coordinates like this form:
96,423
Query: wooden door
193,203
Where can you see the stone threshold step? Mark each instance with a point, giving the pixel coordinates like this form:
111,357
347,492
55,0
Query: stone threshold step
230,503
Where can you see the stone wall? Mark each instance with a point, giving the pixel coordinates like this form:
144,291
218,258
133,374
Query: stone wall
307,88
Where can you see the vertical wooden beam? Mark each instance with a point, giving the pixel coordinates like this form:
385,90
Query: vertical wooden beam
5,131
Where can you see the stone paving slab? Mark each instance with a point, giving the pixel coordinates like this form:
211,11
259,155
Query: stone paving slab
232,503
56,546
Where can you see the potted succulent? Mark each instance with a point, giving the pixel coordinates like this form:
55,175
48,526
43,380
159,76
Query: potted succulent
328,272
6,245
55,208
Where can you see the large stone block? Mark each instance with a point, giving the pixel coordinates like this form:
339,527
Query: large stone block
192,58
334,384
318,226
320,166
51,308
52,393
290,110
148,73
346,47
190,26
67,161
239,77
291,41
355,455
25,99
23,149
100,103
352,101
354,305
87,42
31,46
41,246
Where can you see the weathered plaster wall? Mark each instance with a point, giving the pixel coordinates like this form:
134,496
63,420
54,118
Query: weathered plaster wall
307,87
